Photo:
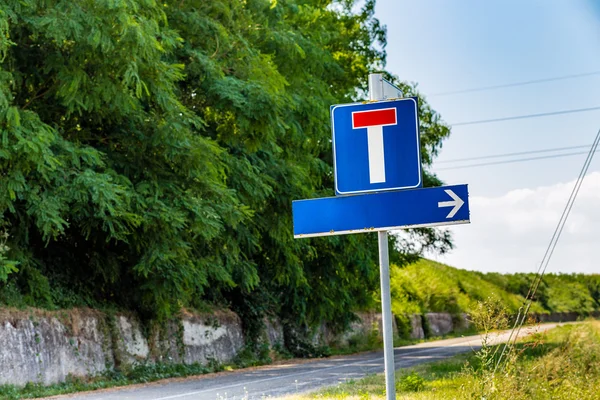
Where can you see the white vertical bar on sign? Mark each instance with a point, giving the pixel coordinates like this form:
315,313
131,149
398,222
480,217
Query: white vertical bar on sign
376,155
376,93
375,134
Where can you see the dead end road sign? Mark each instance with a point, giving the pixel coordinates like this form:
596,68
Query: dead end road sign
378,183
376,146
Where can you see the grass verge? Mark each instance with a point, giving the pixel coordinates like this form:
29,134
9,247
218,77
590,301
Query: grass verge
563,363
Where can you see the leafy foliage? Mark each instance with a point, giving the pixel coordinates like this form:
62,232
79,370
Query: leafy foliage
150,152
427,286
557,292
6,266
411,382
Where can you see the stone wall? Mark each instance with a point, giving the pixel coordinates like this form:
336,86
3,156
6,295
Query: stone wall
131,344
216,337
47,347
439,324
416,327
367,323
273,332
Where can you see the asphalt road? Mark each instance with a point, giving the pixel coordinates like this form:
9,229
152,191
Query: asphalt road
280,380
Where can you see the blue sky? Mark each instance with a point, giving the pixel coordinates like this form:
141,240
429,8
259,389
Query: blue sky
455,45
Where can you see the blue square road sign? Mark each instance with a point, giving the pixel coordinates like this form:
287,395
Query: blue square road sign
376,146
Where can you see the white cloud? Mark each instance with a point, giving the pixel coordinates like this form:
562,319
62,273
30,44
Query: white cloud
510,233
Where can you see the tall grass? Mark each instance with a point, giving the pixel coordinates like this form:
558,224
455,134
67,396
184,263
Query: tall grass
564,364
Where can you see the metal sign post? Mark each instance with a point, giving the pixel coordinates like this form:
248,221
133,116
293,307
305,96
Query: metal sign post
377,87
386,315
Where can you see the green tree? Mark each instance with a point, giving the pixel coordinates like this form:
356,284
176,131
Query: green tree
151,151
110,187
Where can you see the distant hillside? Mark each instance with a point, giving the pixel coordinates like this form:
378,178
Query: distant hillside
428,286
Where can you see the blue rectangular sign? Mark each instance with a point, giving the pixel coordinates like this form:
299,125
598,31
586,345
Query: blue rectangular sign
446,205
376,146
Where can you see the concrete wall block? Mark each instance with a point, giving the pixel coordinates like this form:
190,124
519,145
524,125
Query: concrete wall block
273,332
416,324
367,323
132,344
373,322
439,323
165,343
43,349
216,336
323,335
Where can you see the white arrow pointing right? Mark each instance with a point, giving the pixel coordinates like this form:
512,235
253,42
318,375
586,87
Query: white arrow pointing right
456,202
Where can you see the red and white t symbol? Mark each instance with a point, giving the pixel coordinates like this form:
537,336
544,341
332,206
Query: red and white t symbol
374,121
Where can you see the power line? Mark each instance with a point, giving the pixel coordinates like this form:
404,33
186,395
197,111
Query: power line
511,161
513,154
549,252
515,117
515,84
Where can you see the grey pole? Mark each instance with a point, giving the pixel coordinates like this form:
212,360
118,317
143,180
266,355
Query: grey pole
376,87
376,93
386,313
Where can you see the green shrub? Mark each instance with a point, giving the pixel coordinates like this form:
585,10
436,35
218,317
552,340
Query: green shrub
412,382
